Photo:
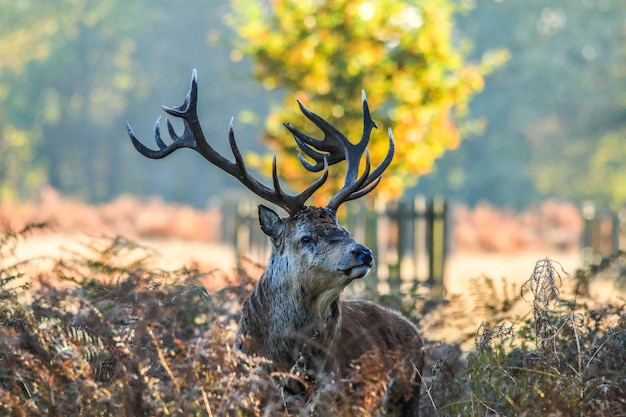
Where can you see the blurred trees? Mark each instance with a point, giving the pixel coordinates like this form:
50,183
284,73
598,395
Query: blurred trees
579,144
72,73
556,111
28,36
403,54
64,76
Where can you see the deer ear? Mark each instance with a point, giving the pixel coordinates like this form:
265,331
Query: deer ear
271,223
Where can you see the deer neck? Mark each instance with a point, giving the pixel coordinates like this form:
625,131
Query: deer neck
295,322
289,297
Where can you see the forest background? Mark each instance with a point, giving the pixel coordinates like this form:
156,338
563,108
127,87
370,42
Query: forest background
551,117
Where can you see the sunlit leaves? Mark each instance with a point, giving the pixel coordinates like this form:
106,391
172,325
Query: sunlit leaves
403,54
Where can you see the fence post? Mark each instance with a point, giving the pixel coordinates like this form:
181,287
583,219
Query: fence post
241,233
436,245
589,215
618,233
390,212
371,241
228,224
420,231
621,221
615,232
402,223
245,240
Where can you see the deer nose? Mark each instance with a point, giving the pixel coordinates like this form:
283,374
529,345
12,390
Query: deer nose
363,254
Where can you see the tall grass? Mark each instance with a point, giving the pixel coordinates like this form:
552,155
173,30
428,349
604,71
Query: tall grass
120,338
564,359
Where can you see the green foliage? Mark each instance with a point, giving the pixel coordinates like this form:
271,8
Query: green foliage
602,154
72,73
29,35
586,125
555,111
72,79
403,54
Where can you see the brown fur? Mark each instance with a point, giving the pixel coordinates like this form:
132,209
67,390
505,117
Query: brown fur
294,314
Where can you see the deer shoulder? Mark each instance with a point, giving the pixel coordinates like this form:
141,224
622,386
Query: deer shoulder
367,326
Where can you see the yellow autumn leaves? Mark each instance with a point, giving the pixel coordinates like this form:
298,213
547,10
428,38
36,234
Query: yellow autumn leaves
403,54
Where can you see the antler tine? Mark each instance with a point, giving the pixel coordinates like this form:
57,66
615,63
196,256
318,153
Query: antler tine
193,138
335,147
296,203
291,204
356,186
351,187
333,143
370,183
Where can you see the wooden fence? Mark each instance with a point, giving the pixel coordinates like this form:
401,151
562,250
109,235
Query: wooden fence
604,234
409,239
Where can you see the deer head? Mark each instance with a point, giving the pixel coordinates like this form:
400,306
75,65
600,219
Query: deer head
313,258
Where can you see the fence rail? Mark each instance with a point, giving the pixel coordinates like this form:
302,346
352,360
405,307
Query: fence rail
409,239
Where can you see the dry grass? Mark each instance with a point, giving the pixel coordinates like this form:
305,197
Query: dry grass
126,216
122,338
552,226
104,328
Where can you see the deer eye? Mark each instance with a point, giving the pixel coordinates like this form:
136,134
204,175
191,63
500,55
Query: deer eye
306,240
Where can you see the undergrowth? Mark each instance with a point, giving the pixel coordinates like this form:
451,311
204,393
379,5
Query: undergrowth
566,358
119,338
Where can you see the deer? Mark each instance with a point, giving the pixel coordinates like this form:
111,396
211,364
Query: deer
294,316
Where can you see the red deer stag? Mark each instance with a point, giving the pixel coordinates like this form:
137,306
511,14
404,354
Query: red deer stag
294,315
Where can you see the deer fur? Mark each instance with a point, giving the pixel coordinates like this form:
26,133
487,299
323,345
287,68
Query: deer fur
295,312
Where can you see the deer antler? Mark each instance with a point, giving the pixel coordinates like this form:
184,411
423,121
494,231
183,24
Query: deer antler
193,137
338,148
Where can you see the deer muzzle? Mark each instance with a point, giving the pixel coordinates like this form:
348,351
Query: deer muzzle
358,262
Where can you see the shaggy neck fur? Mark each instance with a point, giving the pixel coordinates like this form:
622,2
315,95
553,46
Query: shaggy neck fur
299,325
